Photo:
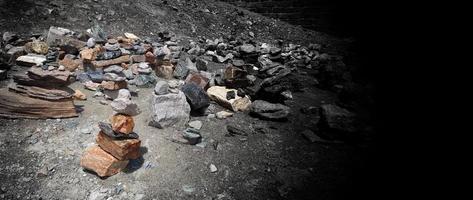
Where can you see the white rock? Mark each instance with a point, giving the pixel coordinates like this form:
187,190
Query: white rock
195,124
219,95
170,110
223,114
213,168
131,36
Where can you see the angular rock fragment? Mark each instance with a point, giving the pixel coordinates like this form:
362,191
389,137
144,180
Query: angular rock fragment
70,63
99,161
269,111
88,55
196,96
108,130
192,136
122,123
79,95
122,149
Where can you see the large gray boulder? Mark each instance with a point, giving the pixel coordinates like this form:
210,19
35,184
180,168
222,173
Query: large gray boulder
170,110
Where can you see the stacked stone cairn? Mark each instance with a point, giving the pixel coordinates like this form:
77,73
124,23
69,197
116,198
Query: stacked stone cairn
116,141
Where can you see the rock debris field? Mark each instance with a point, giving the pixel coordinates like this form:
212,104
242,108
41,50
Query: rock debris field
98,113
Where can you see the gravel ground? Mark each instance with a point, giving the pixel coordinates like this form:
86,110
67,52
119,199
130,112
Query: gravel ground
40,158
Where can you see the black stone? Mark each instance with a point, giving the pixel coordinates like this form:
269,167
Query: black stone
106,128
230,95
196,96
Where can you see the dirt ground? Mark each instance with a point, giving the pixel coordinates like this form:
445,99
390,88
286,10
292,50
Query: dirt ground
40,158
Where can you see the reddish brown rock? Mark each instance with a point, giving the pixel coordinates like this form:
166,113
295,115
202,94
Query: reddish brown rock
14,105
99,161
88,55
122,123
70,63
113,85
78,95
116,61
165,70
122,149
151,59
197,79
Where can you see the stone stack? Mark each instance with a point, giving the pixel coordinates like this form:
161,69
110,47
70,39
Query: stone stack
144,77
116,141
38,93
113,80
164,68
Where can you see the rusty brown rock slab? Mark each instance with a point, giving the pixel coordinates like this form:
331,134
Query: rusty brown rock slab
99,161
116,61
122,149
14,105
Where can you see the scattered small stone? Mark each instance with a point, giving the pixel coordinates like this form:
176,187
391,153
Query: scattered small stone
104,102
78,95
192,136
213,168
223,114
233,130
195,124
87,130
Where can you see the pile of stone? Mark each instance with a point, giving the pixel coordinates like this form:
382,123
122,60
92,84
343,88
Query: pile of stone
40,93
116,141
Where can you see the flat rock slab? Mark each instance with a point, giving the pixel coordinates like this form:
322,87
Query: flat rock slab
30,60
116,61
14,105
99,161
54,77
43,93
122,149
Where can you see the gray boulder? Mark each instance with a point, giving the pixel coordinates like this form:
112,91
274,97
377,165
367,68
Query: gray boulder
170,110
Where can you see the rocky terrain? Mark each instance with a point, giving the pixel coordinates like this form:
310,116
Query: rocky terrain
270,111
